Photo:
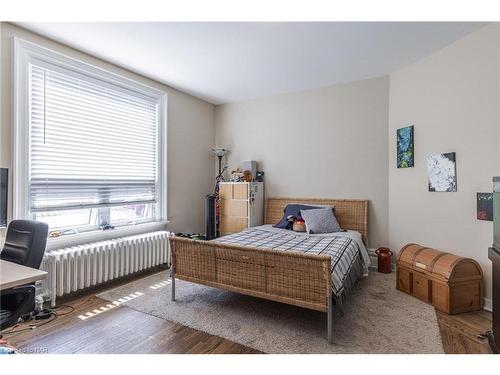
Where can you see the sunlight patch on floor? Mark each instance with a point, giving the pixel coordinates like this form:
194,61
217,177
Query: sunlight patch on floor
161,284
109,306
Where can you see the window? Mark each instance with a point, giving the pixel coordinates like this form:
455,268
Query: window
96,145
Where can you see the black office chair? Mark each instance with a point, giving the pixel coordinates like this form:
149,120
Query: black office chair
25,245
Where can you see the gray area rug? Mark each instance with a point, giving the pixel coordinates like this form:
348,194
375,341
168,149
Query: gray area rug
378,318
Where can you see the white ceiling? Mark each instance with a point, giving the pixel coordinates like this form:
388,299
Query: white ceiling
227,62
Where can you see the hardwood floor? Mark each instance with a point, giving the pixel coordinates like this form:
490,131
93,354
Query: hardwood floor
118,330
460,333
124,330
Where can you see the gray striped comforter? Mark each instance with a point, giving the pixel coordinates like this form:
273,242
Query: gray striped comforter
350,259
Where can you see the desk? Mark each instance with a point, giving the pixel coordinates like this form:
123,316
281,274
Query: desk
12,275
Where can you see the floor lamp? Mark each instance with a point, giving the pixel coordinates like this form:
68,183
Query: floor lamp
212,204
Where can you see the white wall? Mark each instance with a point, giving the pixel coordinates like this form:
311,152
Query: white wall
327,143
452,99
190,134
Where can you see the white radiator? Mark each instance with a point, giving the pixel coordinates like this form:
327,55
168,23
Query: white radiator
78,267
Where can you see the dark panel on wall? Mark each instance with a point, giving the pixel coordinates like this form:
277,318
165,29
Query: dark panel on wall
3,196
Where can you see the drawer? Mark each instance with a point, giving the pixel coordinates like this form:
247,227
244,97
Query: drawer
240,191
226,191
420,287
231,207
403,280
233,224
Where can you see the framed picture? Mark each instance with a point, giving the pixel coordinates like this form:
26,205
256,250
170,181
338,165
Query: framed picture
405,144
485,206
442,172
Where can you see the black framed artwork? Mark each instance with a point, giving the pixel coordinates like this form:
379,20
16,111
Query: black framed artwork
485,206
4,178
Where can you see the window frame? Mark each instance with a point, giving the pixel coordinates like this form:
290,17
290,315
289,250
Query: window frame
24,53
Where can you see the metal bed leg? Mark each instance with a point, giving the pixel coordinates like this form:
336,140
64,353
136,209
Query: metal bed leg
330,319
172,275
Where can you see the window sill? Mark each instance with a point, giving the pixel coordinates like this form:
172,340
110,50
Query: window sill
98,235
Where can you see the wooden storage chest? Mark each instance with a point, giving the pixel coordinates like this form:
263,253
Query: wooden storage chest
451,283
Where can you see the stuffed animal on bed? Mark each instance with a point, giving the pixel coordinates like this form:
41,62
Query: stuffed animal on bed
290,219
299,225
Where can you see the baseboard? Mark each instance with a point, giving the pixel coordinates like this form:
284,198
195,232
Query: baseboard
488,304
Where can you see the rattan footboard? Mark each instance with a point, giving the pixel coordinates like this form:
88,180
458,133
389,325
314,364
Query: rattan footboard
290,277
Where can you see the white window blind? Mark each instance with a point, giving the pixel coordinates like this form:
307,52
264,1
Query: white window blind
93,144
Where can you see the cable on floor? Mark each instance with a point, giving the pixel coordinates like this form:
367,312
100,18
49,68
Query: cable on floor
53,312
56,308
30,327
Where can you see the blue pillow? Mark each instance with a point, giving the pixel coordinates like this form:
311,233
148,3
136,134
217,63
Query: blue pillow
321,220
292,210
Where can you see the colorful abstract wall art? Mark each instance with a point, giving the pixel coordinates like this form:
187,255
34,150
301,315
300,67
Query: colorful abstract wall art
442,172
485,206
405,147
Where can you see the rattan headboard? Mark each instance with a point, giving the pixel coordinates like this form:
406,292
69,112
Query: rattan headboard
351,213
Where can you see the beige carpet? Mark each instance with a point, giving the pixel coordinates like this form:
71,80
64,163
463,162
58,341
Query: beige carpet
378,318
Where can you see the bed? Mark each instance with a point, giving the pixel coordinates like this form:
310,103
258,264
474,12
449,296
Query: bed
279,265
